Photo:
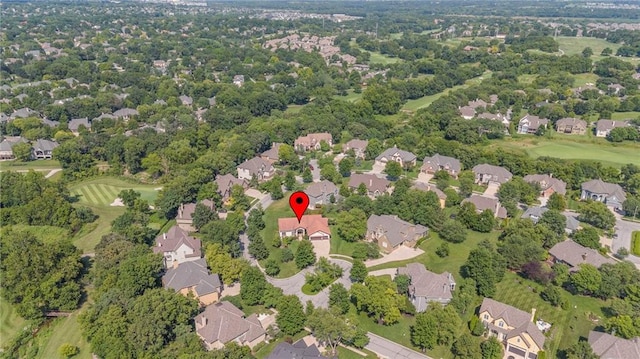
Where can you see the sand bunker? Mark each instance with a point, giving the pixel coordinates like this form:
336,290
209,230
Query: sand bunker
117,203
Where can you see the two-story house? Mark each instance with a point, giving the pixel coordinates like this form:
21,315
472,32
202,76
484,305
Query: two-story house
193,278
427,286
358,147
572,126
390,232
43,149
574,254
256,167
313,226
513,327
548,184
604,127
184,217
405,158
490,174
312,141
177,246
321,193
222,323
6,147
530,124
375,185
483,203
438,162
273,154
74,125
226,182
610,194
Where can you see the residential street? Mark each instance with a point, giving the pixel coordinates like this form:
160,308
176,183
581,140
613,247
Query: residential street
391,350
315,172
624,230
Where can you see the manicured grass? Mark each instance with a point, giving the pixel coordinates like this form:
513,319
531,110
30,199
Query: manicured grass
10,322
351,96
66,330
583,79
625,115
595,149
103,191
267,349
279,209
345,353
378,58
414,105
458,253
574,45
45,233
90,234
635,243
399,332
30,165
293,108
364,166
340,246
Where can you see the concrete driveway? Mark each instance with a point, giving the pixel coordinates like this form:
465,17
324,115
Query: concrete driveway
424,177
321,248
400,254
491,190
389,271
378,168
387,349
623,230
315,172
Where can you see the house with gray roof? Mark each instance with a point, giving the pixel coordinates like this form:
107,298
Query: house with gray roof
404,158
375,185
428,187
321,193
256,167
607,346
297,350
572,126
574,254
483,203
427,286
486,174
548,184
273,154
438,162
514,328
184,217
225,184
186,100
467,112
610,194
534,213
43,149
390,232
23,113
177,246
6,146
604,127
222,323
125,113
193,277
358,147
530,124
74,125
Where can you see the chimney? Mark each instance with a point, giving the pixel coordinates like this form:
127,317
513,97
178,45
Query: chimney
584,256
164,235
370,182
175,263
204,321
533,314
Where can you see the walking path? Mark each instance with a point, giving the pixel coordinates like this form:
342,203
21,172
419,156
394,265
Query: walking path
387,349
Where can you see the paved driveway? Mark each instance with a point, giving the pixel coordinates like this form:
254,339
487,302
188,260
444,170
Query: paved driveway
623,231
491,190
424,177
315,172
321,248
387,349
381,272
377,168
400,254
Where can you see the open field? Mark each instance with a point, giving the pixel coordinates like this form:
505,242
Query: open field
574,45
378,58
583,79
10,322
44,233
624,115
31,165
595,150
351,96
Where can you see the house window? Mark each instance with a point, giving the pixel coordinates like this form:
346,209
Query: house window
501,324
384,244
486,316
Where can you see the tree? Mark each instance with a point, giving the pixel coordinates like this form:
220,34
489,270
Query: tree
486,268
352,225
253,285
606,51
359,271
305,256
378,296
345,166
286,154
464,296
557,202
587,52
67,350
466,179
328,327
393,170
622,326
453,231
258,249
403,282
552,295
485,222
424,334
491,349
271,267
22,151
286,255
443,250
290,317
339,297
219,261
587,279
239,201
597,214
383,99
290,181
588,237
307,176
203,215
373,149
467,346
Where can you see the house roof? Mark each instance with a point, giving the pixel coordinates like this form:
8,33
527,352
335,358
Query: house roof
273,152
187,210
312,223
467,111
225,182
425,283
123,112
372,182
514,317
477,103
297,350
8,142
502,174
568,121
607,346
23,113
192,274
356,144
436,161
174,238
609,189
608,125
44,145
317,189
546,181
395,229
313,138
225,322
75,123
536,211
256,165
530,329
534,121
483,203
406,156
186,99
429,188
574,254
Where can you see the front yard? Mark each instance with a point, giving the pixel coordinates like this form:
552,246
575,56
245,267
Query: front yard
278,209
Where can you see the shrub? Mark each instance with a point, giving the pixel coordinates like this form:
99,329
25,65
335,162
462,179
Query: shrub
67,350
443,250
271,267
552,295
287,255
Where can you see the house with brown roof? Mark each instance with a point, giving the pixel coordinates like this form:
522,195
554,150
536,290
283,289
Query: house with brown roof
427,286
375,185
548,184
483,203
193,278
225,184
405,158
321,193
272,154
222,323
256,167
177,246
574,254
314,226
126,113
428,187
572,126
530,124
513,327
184,217
438,162
607,346
358,147
467,112
610,194
487,174
311,142
604,127
390,232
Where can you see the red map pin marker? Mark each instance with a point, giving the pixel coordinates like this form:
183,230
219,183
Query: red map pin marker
299,201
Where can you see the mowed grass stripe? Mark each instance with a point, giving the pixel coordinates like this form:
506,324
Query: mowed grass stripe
96,194
90,195
107,192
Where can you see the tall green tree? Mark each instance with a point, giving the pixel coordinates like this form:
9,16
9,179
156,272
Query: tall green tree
305,256
352,225
359,271
290,318
253,285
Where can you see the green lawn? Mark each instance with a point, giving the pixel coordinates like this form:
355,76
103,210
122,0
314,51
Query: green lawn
340,246
31,165
635,243
577,149
10,322
378,58
293,108
278,209
344,353
44,233
350,97
364,166
574,45
625,115
583,79
66,330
